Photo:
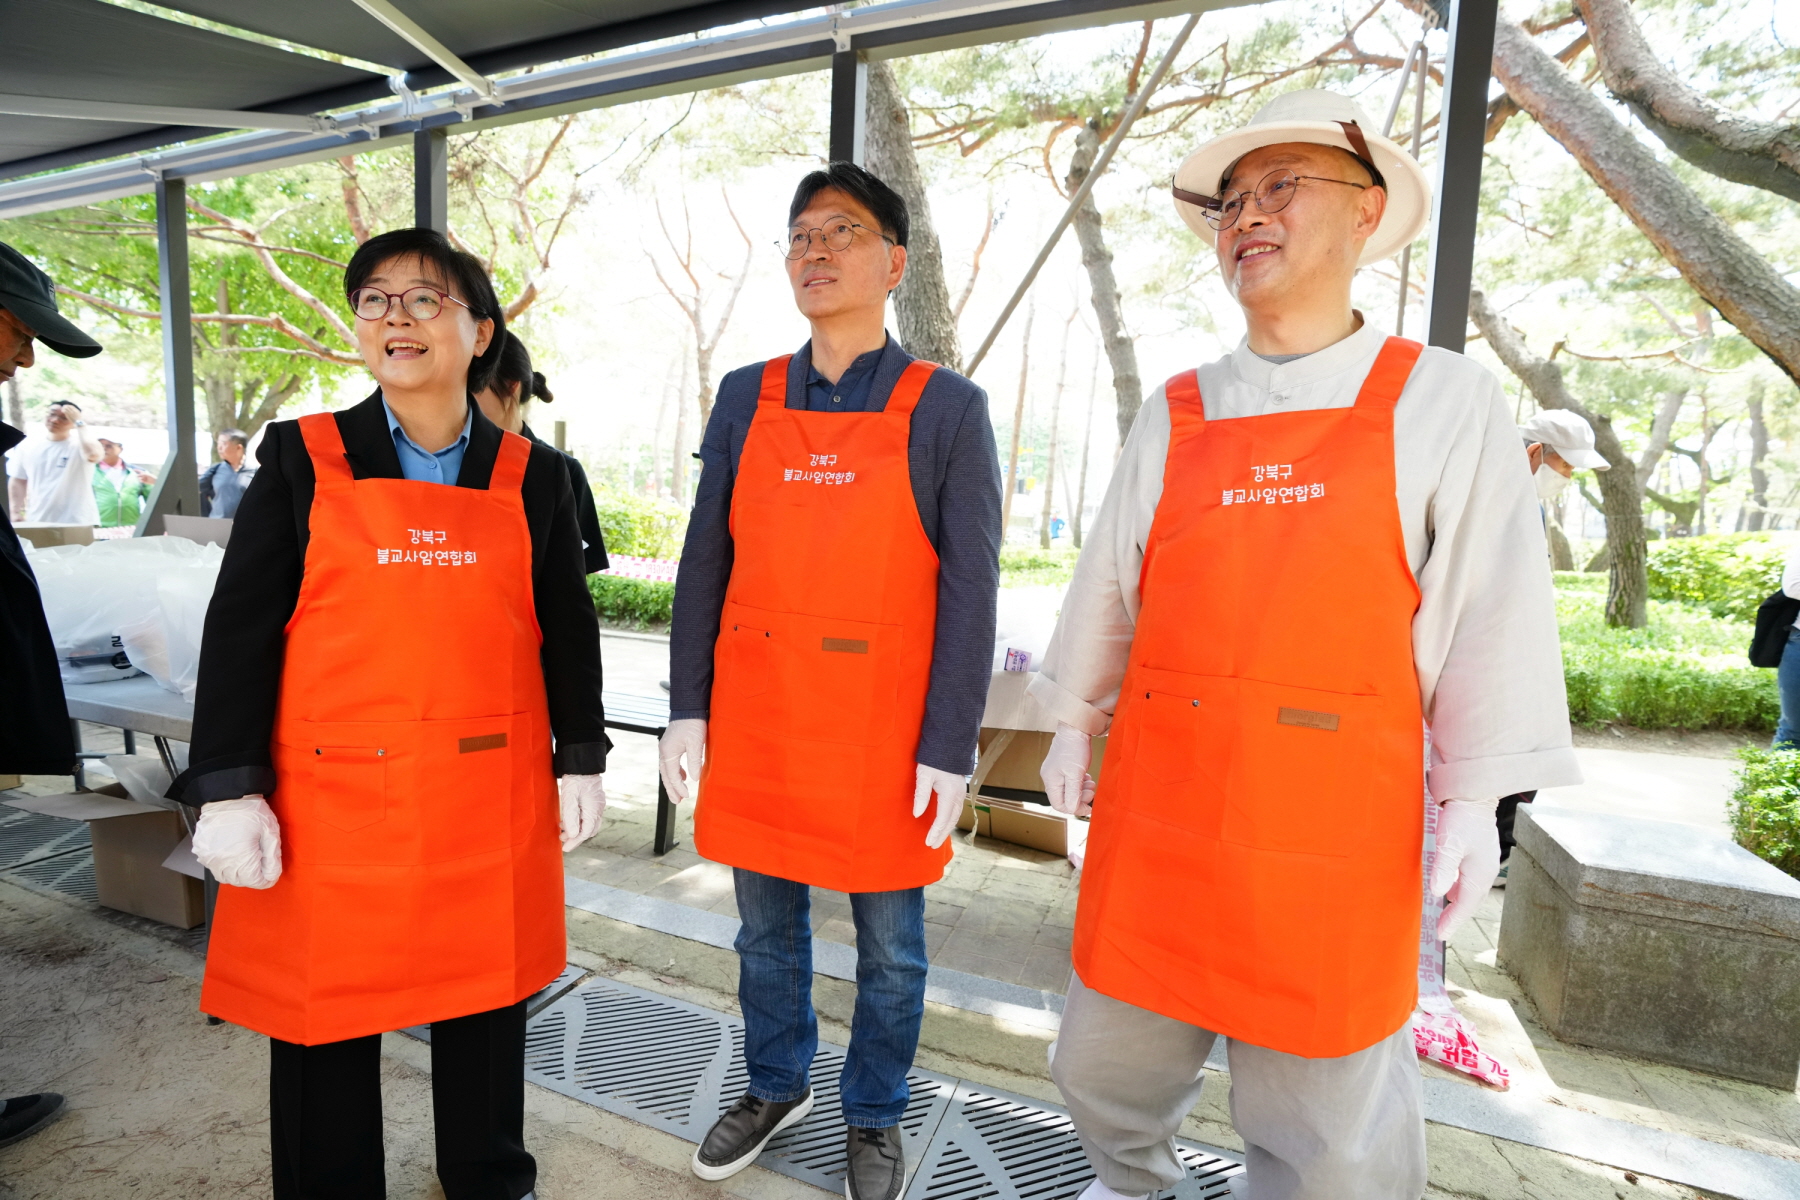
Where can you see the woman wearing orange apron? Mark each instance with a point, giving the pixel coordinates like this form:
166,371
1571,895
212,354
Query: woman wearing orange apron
394,673
833,634
1309,548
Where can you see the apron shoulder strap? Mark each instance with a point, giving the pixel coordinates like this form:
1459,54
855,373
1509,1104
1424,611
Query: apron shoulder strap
1387,378
325,445
1187,412
774,383
909,387
509,464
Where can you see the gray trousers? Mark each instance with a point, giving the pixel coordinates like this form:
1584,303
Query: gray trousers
1350,1128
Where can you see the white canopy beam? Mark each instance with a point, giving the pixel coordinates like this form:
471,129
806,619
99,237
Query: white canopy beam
415,34
157,114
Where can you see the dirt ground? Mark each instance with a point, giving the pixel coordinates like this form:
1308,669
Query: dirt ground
1699,743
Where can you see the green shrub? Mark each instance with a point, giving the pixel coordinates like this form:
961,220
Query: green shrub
1685,670
1026,566
1765,807
640,526
633,603
1727,574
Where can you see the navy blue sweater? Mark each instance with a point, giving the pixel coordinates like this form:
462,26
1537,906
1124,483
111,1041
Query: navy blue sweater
955,470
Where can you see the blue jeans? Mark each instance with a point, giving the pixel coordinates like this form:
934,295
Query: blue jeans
1787,678
775,978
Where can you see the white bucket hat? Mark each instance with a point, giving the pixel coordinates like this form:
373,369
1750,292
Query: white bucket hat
1571,437
1328,119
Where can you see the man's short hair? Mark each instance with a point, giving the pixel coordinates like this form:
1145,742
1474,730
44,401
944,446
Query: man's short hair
882,201
236,435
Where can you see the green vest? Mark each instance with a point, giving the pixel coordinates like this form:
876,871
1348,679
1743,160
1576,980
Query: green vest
118,505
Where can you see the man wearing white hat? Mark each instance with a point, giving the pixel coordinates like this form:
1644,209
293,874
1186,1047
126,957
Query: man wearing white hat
1310,549
1558,444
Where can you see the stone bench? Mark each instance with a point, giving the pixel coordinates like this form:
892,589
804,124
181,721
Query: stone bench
1666,941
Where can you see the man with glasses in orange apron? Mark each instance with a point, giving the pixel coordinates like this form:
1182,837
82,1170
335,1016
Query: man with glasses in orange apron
829,660
1310,549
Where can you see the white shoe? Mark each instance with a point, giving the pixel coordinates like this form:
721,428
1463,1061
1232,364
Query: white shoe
1099,1191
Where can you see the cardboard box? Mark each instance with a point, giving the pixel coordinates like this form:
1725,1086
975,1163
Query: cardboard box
9,782
43,535
129,852
1022,824
1016,768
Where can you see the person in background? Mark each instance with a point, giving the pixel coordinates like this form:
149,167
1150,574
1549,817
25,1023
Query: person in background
119,488
829,660
222,484
49,481
1787,675
1557,444
400,658
34,720
503,400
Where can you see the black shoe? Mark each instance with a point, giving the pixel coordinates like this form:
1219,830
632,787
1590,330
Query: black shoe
877,1168
25,1115
739,1136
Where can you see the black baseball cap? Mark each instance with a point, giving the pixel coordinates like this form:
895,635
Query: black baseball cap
29,294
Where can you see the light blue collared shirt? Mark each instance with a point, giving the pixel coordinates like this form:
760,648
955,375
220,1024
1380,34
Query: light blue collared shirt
422,465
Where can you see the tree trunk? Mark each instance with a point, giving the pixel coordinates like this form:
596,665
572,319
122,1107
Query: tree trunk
15,404
1759,154
922,301
1562,555
1727,272
678,458
1062,377
1622,499
1121,352
1012,461
1759,452
1087,446
1660,429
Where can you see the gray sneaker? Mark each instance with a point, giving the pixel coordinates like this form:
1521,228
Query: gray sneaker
877,1168
739,1136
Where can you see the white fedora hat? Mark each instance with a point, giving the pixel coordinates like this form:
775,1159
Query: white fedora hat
1328,119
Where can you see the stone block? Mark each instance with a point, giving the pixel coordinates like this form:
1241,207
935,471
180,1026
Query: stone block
1665,941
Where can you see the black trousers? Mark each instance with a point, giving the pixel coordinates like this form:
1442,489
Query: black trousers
325,1113
1504,816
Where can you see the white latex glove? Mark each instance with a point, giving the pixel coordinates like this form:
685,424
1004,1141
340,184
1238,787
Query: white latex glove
1468,855
951,791
682,739
1065,772
239,841
583,804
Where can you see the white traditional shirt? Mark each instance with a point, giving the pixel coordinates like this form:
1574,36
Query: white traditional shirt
1485,642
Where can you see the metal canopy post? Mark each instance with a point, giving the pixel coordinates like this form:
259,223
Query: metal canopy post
849,105
177,489
431,179
1462,141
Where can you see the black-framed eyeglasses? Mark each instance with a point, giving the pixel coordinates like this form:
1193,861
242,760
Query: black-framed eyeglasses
420,303
1273,193
837,235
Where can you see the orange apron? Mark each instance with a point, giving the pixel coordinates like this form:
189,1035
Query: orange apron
1253,862
422,875
824,652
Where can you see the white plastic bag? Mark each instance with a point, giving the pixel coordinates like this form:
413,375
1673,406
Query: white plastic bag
165,642
91,593
1025,619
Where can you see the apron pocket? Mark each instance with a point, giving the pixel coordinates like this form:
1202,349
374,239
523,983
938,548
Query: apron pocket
349,785
827,680
468,788
1169,725
1307,761
745,653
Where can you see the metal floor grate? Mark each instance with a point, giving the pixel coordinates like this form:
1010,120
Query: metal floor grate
28,836
72,874
676,1066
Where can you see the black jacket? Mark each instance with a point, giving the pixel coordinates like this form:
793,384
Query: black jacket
259,584
593,542
34,721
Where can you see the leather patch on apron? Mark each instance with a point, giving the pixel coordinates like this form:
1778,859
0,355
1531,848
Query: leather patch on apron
843,646
1308,720
497,741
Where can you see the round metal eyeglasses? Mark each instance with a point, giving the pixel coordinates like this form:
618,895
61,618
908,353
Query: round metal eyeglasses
419,303
837,236
1274,192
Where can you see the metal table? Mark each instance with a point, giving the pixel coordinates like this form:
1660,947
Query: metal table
139,705
647,715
